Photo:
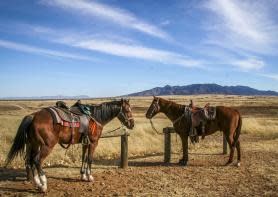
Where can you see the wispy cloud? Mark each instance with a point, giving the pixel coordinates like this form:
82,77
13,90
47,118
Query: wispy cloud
111,14
271,76
136,51
122,47
249,64
242,26
40,51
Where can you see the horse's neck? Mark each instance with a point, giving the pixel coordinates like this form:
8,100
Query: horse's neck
105,113
172,110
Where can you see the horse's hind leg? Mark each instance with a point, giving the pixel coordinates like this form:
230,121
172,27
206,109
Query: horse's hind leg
230,140
38,173
238,153
44,152
28,166
33,161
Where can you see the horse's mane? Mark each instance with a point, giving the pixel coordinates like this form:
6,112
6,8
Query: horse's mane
173,104
106,110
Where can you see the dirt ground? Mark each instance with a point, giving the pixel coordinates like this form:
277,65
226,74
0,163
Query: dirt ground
149,176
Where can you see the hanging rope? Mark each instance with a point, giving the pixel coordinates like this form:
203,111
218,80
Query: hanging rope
114,129
155,128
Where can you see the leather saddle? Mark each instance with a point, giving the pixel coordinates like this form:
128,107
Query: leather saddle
76,109
199,118
77,116
72,117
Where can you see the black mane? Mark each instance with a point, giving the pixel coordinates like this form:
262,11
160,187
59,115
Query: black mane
105,111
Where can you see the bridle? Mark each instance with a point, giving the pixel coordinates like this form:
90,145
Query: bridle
122,116
209,116
156,108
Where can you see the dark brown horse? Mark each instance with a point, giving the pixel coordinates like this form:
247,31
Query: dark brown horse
226,119
39,134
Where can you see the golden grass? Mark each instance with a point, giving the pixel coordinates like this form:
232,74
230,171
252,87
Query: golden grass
260,115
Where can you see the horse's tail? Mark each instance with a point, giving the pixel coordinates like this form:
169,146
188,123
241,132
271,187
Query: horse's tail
20,139
238,130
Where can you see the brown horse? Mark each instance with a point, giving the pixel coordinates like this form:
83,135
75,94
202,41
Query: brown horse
226,119
39,134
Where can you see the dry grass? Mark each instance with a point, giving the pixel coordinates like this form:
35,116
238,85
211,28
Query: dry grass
260,115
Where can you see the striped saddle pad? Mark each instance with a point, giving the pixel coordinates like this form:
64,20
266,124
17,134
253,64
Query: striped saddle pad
63,117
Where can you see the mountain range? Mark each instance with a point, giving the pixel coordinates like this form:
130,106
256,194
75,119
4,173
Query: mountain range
204,89
192,89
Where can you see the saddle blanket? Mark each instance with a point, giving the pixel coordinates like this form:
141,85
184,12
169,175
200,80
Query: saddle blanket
64,118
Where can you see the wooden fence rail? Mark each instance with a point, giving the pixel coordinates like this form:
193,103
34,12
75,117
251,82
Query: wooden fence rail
167,143
124,146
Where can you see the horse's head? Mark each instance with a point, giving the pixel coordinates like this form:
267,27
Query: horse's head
125,114
154,108
209,112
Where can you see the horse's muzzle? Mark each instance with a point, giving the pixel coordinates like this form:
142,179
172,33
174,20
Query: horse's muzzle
131,124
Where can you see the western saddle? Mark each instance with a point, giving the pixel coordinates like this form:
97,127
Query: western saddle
199,118
76,116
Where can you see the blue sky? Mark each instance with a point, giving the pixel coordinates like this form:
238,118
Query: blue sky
115,47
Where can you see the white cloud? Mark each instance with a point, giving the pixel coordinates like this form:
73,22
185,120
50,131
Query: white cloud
112,45
242,26
109,13
133,51
165,23
40,51
271,76
249,64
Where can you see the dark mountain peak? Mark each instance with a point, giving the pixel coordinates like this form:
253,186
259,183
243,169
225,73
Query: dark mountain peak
210,88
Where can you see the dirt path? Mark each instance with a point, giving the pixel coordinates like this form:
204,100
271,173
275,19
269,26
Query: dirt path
204,176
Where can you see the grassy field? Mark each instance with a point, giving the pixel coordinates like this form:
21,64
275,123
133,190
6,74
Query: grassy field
260,118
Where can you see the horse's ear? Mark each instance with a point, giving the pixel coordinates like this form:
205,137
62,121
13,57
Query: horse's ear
122,100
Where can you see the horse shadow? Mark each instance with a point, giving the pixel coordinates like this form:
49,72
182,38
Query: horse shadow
9,174
14,175
12,190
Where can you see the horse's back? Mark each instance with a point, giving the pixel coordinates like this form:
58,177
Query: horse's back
227,111
42,117
227,117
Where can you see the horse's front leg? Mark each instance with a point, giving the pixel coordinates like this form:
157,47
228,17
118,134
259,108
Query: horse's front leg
84,161
91,151
184,160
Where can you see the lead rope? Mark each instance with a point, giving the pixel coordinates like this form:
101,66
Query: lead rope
155,128
122,126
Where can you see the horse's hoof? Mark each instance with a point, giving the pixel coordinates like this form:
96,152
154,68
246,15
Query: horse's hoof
90,178
228,163
238,164
182,162
83,177
43,189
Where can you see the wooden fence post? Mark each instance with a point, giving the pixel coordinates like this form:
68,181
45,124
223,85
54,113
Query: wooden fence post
167,145
124,151
224,145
